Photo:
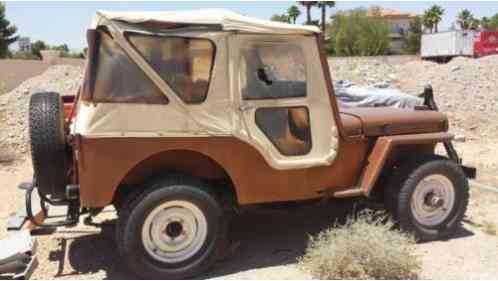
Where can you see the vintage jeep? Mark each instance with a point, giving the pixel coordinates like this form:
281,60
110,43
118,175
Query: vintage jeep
183,117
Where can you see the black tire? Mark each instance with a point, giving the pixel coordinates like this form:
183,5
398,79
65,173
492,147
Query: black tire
401,189
48,144
132,219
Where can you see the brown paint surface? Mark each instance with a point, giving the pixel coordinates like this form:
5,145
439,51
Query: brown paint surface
382,121
351,125
105,162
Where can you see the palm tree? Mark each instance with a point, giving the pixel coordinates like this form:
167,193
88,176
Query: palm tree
293,13
308,5
427,21
436,13
465,19
323,5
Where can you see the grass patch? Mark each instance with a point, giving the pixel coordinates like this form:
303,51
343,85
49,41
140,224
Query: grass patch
486,226
365,247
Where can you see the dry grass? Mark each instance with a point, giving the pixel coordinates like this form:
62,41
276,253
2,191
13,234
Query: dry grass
489,228
366,247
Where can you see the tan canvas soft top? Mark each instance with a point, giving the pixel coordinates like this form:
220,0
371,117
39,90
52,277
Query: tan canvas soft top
224,112
228,20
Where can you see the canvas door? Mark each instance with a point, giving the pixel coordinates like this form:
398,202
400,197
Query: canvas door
282,99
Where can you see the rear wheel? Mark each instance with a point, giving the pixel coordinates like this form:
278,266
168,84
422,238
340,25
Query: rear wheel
428,197
172,231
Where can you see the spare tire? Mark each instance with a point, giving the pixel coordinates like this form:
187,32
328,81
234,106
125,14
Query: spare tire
48,144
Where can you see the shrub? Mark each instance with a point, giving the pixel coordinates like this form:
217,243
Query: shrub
365,247
355,33
490,228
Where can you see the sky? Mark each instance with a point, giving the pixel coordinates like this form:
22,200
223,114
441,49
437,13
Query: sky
66,22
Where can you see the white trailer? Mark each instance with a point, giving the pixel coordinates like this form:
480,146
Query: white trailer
447,44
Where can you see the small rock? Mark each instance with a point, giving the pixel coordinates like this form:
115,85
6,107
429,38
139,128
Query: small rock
7,157
460,138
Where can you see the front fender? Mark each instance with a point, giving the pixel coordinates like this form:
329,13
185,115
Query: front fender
383,148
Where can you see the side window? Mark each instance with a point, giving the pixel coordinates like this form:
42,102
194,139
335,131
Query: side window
118,79
184,63
287,128
272,70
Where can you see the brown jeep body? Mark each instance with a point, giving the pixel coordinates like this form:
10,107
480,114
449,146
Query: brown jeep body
183,117
368,139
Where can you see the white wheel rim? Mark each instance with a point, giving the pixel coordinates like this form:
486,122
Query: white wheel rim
433,200
174,231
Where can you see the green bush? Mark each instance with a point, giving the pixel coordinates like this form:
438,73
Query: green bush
354,33
366,247
413,37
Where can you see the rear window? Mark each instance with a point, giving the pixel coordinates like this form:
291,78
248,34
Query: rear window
119,80
184,63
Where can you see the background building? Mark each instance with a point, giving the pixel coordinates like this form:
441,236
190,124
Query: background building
399,23
24,44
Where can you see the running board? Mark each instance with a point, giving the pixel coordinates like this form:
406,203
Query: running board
352,192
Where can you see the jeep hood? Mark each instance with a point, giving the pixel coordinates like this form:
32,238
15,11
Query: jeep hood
382,121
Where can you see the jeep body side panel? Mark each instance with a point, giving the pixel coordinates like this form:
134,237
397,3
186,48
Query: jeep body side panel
384,149
105,162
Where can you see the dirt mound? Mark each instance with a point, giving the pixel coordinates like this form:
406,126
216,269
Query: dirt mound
64,79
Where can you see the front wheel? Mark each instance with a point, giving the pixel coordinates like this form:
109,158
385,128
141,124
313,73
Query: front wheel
172,231
428,197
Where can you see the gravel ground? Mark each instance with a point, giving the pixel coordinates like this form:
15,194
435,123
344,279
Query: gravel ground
465,89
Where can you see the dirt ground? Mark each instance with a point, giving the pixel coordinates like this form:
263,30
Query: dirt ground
270,241
14,72
18,71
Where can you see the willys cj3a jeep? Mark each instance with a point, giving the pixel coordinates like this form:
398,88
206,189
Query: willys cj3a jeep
183,116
